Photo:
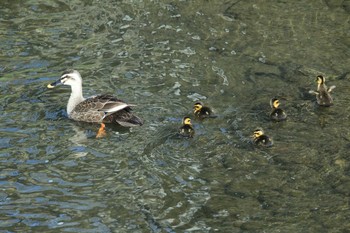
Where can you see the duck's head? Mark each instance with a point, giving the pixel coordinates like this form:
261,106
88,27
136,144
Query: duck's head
274,102
197,107
69,77
186,121
257,133
320,80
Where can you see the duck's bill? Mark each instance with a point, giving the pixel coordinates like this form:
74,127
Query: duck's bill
52,85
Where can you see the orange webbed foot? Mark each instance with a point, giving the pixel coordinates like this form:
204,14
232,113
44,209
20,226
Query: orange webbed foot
101,131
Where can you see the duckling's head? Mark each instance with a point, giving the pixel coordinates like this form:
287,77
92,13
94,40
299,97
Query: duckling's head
320,80
186,121
274,102
70,78
197,107
257,133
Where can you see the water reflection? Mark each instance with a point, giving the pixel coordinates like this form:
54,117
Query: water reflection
164,56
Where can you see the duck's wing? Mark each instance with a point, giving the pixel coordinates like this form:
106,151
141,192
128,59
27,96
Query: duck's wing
96,108
116,110
125,118
87,111
107,104
314,92
331,88
324,99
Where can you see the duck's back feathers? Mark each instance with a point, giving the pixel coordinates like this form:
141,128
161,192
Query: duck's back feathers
204,112
107,109
263,140
124,118
323,97
186,131
278,114
110,104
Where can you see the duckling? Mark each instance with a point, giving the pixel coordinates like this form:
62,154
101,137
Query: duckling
186,130
323,95
259,138
277,113
201,111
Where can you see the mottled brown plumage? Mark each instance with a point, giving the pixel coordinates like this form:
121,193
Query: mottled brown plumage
96,109
101,108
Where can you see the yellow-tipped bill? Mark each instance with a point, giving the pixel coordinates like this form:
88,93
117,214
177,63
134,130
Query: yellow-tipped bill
56,83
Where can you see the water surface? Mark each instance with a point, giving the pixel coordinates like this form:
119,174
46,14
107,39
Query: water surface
163,56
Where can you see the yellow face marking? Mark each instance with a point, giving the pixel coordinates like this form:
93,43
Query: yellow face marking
197,107
187,121
258,133
320,79
276,103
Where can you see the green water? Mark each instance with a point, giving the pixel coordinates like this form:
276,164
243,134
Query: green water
163,56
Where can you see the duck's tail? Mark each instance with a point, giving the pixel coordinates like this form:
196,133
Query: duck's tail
127,119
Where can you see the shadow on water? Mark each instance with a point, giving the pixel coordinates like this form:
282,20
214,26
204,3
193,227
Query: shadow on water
163,56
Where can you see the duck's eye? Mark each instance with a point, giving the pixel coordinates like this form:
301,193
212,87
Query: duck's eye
64,79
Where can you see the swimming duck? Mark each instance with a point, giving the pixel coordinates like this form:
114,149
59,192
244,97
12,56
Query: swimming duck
186,130
201,111
259,138
277,113
323,95
100,109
